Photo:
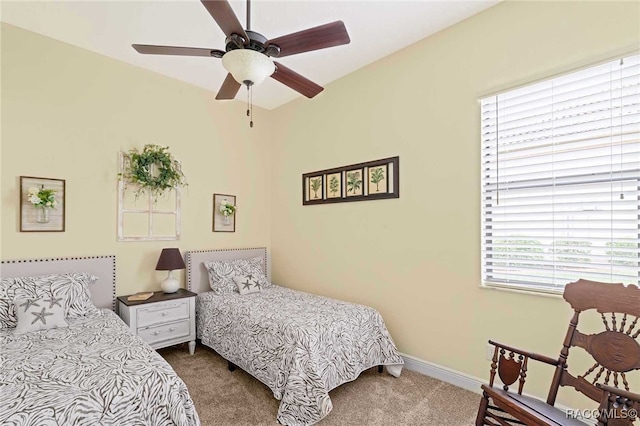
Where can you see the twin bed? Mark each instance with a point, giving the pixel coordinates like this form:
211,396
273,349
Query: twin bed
93,371
96,371
300,345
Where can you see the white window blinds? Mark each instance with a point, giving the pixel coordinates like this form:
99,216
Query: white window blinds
561,180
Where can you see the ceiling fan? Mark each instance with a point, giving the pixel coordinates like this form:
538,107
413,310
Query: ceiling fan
247,54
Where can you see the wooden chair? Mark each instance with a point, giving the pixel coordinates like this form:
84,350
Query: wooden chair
615,350
618,408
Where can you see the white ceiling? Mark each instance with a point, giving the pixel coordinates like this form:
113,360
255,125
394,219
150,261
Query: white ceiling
376,28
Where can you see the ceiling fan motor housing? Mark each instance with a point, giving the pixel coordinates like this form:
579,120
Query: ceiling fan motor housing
257,42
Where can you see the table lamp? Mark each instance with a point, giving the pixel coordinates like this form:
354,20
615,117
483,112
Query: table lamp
170,259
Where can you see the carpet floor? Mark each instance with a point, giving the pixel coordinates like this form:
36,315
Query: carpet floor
225,398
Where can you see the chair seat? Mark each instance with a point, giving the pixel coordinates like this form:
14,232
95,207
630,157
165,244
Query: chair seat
533,410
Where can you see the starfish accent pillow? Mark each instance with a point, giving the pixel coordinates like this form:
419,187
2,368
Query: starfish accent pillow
221,273
39,314
247,284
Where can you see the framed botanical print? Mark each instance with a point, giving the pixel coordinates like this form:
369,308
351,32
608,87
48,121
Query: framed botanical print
377,181
373,180
313,189
334,185
355,183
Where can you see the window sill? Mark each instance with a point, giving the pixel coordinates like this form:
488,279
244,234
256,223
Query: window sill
554,294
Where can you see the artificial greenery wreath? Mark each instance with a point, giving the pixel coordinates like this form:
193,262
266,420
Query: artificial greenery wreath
154,170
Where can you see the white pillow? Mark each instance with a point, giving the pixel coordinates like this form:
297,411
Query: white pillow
247,284
39,314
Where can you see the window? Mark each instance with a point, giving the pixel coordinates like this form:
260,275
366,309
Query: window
561,180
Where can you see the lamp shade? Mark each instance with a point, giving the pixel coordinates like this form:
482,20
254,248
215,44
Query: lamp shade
170,259
248,66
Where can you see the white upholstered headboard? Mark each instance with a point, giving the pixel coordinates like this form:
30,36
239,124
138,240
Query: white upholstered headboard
103,291
197,276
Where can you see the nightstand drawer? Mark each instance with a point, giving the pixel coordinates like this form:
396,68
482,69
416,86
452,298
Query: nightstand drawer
162,312
162,332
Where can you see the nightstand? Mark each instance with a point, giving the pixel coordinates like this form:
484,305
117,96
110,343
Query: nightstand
164,319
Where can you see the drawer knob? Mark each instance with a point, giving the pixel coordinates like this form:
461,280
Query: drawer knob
172,329
164,314
155,333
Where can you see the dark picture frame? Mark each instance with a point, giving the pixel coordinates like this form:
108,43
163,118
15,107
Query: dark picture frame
219,224
378,179
32,218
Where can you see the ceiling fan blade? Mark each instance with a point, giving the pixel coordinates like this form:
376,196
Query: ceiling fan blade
321,37
300,84
175,50
229,88
222,13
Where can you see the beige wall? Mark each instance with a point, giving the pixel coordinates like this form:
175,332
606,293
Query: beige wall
417,258
66,112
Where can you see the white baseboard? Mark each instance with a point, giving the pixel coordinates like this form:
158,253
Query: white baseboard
455,378
445,374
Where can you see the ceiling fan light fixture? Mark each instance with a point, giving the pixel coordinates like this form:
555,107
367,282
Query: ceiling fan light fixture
248,66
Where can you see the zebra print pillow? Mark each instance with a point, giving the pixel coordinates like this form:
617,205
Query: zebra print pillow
72,288
221,273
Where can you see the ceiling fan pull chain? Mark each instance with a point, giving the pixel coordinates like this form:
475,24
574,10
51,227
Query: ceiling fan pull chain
251,106
248,101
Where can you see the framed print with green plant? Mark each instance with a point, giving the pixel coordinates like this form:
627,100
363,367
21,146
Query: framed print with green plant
313,189
42,204
224,213
355,183
334,185
372,180
377,181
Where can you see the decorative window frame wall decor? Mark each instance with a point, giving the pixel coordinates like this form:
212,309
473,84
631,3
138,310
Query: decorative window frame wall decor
353,182
149,210
31,219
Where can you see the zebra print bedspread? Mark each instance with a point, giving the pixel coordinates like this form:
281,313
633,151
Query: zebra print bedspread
300,345
92,372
